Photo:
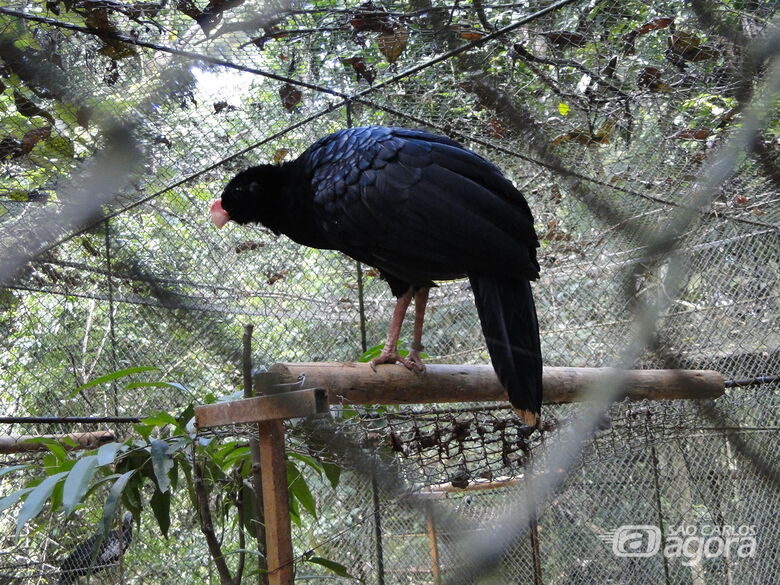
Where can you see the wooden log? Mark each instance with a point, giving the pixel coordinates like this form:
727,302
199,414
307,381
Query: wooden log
71,441
295,404
278,535
357,383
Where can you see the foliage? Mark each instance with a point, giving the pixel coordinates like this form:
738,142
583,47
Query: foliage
634,95
154,471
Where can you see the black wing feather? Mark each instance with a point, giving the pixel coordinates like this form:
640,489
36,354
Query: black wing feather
419,206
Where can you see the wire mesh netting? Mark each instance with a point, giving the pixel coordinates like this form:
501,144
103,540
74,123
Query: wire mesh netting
120,121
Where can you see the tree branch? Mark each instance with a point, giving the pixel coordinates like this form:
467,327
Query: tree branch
207,526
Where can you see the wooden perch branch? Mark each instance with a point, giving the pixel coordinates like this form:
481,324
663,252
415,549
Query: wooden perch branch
71,442
393,384
352,383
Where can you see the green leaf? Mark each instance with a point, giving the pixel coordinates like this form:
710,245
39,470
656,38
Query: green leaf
36,499
131,496
161,463
161,506
563,109
12,498
337,568
11,469
295,515
159,420
112,501
111,377
233,456
52,445
173,385
308,460
248,515
298,487
57,147
226,449
69,442
98,482
374,351
107,453
371,353
185,416
333,473
144,430
77,482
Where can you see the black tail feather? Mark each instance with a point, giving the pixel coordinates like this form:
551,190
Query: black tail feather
508,316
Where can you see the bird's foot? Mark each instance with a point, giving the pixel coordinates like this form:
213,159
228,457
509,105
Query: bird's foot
413,362
388,356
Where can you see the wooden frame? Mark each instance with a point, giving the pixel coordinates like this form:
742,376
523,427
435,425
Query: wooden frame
351,383
268,412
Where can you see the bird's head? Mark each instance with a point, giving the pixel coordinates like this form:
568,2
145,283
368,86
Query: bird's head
240,199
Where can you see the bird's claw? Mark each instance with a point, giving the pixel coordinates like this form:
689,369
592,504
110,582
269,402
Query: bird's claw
386,357
411,362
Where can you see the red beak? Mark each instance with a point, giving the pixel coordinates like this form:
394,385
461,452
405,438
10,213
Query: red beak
218,215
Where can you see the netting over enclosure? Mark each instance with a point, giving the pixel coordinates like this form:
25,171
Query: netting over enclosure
645,138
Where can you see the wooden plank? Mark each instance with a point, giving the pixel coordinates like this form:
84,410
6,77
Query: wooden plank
433,545
357,383
295,404
278,535
26,443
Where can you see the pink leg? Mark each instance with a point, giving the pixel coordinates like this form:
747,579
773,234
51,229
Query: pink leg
389,353
413,361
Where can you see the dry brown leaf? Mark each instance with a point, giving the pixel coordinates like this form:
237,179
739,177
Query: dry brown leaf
496,128
656,23
688,47
650,78
565,38
33,137
362,70
247,246
291,96
582,137
392,44
279,155
371,18
466,33
555,234
274,277
693,134
680,41
609,69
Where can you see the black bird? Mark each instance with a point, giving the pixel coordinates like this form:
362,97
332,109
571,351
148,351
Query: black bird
80,562
420,208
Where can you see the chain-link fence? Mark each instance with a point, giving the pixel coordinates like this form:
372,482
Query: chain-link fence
611,117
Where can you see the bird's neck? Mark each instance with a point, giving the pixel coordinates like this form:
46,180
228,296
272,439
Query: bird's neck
288,211
272,195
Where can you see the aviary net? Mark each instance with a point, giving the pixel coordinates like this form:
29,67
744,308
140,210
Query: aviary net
645,137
